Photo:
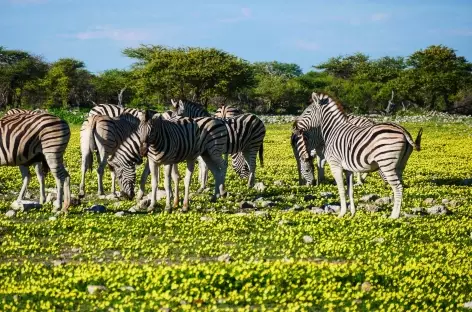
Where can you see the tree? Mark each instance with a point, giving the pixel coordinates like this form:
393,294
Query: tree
193,73
274,68
113,86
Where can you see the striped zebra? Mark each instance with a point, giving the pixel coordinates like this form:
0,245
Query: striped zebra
304,158
247,128
14,111
227,111
124,164
39,139
105,135
384,146
172,141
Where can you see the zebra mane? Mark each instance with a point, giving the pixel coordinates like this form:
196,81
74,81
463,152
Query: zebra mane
325,99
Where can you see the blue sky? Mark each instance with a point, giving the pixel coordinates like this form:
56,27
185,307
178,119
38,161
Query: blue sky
303,32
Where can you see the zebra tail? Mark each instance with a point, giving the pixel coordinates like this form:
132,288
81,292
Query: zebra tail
417,145
261,154
91,141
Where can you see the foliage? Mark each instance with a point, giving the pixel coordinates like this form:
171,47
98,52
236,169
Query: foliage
110,84
366,262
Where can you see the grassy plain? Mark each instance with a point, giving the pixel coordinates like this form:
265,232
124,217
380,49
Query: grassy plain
147,262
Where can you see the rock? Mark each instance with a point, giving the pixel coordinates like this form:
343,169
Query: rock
144,203
52,218
10,213
132,210
453,203
308,197
445,201
296,208
224,258
206,218
259,186
371,208
378,240
437,210
307,239
262,214
246,205
93,289
366,287
383,201
120,214
58,262
418,211
468,305
332,208
96,209
278,183
116,253
369,197
111,197
429,201
266,203
327,194
127,288
317,210
25,205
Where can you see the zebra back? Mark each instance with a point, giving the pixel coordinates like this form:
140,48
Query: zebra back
244,131
14,111
28,137
189,109
227,111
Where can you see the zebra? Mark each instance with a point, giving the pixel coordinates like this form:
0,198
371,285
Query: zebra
251,131
14,111
227,111
384,146
124,165
171,141
106,134
27,139
305,160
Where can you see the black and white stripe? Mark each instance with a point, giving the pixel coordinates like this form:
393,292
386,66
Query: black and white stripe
227,111
172,141
28,139
384,146
105,135
14,111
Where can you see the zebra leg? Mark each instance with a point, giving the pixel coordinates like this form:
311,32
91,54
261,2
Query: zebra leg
320,162
250,157
40,176
144,177
113,179
187,180
26,177
60,174
102,161
350,190
202,174
337,172
217,171
153,167
394,177
175,178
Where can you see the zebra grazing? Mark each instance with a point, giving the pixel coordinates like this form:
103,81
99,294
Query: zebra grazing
255,131
172,141
304,159
27,139
106,134
384,146
227,111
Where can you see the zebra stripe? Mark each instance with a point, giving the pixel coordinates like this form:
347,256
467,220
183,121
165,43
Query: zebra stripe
189,109
39,139
172,141
384,146
14,111
227,111
304,159
106,134
113,110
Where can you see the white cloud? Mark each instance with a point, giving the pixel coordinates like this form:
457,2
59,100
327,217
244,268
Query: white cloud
307,45
108,32
244,14
377,17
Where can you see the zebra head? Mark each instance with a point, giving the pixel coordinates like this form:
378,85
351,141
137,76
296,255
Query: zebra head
304,159
126,174
144,130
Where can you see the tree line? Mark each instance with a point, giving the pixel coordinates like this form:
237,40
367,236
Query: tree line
434,78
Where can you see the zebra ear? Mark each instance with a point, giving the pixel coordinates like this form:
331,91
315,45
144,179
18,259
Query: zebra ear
315,97
174,103
181,105
142,116
295,129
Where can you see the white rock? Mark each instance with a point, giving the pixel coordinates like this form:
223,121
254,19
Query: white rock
52,218
92,289
307,239
111,197
127,288
206,218
10,213
25,205
58,262
120,214
116,253
224,258
259,186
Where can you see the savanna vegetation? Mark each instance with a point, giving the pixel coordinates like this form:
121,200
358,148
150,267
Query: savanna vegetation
282,255
434,78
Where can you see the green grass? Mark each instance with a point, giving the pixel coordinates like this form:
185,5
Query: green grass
366,262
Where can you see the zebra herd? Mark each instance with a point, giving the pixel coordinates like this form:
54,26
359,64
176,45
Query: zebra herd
122,137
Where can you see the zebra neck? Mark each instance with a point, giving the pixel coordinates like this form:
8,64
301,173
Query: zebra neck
331,120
